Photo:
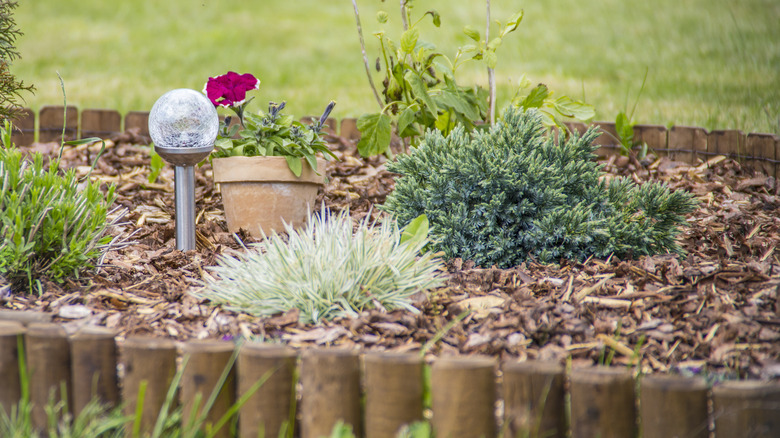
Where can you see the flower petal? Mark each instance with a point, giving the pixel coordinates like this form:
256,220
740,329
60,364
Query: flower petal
229,90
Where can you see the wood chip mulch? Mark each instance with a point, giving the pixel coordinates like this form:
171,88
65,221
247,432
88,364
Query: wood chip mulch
715,312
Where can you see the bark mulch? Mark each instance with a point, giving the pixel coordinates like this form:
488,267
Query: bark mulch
715,312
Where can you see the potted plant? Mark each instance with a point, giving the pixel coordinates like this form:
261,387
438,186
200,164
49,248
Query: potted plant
267,164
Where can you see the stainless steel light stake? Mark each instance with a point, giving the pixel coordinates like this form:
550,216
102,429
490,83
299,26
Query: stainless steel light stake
183,125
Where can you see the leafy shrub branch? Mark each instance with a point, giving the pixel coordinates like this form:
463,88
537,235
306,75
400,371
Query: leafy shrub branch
420,90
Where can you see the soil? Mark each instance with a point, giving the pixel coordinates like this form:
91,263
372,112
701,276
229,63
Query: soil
715,312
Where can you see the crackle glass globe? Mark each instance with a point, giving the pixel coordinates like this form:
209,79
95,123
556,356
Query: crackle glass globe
183,118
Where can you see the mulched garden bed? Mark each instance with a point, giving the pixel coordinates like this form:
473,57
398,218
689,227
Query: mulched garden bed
715,312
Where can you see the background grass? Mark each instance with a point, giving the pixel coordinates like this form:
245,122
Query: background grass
710,63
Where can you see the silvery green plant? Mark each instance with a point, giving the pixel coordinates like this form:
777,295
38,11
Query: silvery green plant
51,223
327,271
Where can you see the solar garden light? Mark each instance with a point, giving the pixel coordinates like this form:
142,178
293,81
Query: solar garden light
183,125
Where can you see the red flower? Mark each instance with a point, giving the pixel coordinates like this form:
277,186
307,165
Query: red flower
229,90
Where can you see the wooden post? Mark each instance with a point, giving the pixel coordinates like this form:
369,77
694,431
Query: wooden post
349,129
48,364
534,399
150,362
602,403
777,164
394,392
654,136
762,148
94,358
24,128
464,395
137,120
673,407
207,361
687,143
608,140
10,389
100,123
50,124
730,143
268,411
25,317
747,408
330,380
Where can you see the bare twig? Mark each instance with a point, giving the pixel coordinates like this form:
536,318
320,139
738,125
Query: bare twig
365,58
403,14
491,73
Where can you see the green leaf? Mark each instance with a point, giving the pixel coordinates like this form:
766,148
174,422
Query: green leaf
443,123
574,109
223,143
381,17
514,21
236,151
444,69
285,120
416,230
471,33
494,44
491,59
536,97
406,122
454,99
375,130
83,141
468,49
624,129
156,166
420,90
295,165
435,16
409,40
312,160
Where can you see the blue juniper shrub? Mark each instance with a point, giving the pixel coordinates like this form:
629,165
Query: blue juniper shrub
501,196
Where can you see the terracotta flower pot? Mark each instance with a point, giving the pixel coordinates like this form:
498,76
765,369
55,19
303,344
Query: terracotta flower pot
261,193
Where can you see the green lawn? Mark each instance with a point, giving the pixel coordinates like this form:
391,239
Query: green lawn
712,63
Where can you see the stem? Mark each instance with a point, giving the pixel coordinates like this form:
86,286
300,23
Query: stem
491,73
365,58
403,15
641,89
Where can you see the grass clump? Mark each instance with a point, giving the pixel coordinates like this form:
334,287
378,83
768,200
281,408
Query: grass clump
325,270
51,223
501,196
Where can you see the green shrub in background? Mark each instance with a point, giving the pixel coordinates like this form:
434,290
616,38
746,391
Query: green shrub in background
326,271
51,223
501,196
420,90
10,88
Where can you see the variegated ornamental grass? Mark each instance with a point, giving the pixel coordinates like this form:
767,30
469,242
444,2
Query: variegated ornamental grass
327,269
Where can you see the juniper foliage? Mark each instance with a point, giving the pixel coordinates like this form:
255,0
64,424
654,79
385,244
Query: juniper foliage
10,87
513,192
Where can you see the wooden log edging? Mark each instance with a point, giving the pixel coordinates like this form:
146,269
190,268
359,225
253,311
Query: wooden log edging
465,391
687,144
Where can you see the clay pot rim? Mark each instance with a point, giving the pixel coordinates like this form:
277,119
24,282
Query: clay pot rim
264,169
